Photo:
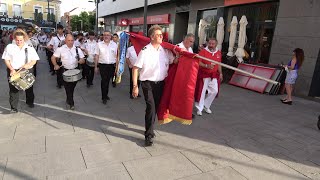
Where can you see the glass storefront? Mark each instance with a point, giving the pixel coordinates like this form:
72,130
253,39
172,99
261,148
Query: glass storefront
260,29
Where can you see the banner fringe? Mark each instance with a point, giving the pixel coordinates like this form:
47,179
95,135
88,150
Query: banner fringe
175,118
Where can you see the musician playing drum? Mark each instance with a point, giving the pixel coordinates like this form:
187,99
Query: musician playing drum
16,56
71,57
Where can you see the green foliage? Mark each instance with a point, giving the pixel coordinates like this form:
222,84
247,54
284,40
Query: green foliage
88,22
38,17
51,17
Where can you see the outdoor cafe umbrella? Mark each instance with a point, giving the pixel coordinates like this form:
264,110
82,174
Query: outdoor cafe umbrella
233,34
220,33
242,39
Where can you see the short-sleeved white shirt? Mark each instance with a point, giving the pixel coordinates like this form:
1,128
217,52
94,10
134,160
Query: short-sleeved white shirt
154,63
91,46
77,43
68,56
181,45
132,55
55,41
17,56
107,52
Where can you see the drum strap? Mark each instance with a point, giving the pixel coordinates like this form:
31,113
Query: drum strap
78,57
26,53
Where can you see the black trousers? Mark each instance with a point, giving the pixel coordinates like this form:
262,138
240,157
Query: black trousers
14,93
49,54
89,74
106,72
131,82
69,88
59,75
152,92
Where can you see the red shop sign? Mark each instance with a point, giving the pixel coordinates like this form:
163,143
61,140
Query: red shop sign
236,2
123,22
158,19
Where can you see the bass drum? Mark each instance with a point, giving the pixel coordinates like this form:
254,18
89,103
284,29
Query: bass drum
90,60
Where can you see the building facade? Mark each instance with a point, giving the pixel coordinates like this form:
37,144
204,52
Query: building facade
40,12
275,28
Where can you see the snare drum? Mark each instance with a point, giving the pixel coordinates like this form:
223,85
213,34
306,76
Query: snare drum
90,61
22,80
72,75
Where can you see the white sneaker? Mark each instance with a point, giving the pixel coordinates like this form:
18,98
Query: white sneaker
207,110
199,113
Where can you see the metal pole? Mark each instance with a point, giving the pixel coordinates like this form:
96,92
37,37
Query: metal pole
97,31
145,15
48,12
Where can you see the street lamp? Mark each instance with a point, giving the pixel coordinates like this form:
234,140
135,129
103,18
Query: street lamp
96,3
80,25
145,14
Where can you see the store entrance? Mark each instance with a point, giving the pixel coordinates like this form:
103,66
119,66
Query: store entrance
181,26
261,45
315,85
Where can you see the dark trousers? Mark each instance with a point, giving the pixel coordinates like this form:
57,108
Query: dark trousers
59,75
14,93
49,54
152,92
69,88
131,82
89,73
106,72
84,70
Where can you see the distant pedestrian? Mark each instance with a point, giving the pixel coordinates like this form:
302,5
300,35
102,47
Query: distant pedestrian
292,73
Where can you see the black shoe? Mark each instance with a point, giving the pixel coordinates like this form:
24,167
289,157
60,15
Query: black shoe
287,102
193,116
104,101
71,107
139,95
88,85
53,73
114,85
59,86
31,105
148,141
108,98
131,97
283,100
13,111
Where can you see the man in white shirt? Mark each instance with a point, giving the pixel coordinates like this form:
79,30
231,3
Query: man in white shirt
187,43
17,56
131,58
105,60
90,48
153,62
71,57
54,43
77,41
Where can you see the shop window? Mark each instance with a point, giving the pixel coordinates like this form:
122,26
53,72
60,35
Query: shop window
17,10
38,9
207,25
3,9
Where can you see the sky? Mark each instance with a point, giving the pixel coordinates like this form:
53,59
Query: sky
83,5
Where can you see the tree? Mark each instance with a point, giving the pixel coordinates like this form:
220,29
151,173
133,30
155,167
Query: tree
38,17
88,22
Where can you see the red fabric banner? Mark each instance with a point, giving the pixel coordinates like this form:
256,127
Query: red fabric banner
178,95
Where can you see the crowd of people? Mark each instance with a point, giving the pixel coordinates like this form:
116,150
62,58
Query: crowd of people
67,54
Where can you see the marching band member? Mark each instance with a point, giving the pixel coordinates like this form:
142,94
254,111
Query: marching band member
54,43
33,41
208,76
16,56
90,48
70,56
105,60
153,62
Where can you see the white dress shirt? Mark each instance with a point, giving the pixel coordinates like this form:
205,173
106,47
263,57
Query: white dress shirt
55,42
77,43
154,63
68,56
17,57
181,45
91,46
107,52
132,55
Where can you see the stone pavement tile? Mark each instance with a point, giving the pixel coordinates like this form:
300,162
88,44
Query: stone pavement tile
3,164
308,168
168,166
114,171
22,146
226,173
42,165
74,141
215,156
124,134
7,132
172,143
263,164
104,154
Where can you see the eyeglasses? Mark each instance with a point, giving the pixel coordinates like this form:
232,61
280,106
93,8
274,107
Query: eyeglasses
158,35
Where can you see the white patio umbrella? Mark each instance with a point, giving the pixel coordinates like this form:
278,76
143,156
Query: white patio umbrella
242,38
220,33
202,31
233,34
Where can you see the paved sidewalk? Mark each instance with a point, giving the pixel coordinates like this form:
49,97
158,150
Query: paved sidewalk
248,136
